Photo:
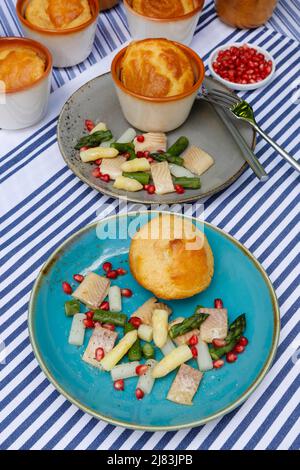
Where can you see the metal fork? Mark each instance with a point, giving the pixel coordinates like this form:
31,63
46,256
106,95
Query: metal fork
242,110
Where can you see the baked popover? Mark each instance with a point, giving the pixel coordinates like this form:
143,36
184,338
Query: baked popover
156,68
58,14
163,8
170,257
20,66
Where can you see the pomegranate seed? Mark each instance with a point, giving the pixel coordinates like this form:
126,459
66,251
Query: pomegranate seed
194,351
83,149
78,277
146,187
218,303
135,321
89,315
193,340
119,385
88,323
140,154
112,274
140,138
107,266
99,354
109,326
96,172
121,271
179,189
146,154
151,189
89,125
219,343
104,305
99,161
243,341
231,357
139,394
239,348
126,292
126,155
67,288
105,178
141,369
218,363
150,159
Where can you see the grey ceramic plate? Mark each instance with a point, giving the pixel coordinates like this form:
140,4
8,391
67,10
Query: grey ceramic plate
97,100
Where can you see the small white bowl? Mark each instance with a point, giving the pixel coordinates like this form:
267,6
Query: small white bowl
157,114
69,46
241,86
180,29
24,107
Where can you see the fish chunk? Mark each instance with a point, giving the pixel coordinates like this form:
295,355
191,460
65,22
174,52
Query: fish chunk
185,385
93,290
112,167
184,339
145,311
196,160
162,178
101,338
153,141
215,326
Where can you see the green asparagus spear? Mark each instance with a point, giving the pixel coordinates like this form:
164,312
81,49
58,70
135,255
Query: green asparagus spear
188,183
93,140
235,331
188,324
148,351
141,176
135,352
125,148
72,307
105,316
165,157
180,145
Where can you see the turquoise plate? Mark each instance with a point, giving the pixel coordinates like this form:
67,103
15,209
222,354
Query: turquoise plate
239,280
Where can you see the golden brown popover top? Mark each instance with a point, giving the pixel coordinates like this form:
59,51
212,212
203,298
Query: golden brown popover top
171,258
156,68
163,8
58,14
20,67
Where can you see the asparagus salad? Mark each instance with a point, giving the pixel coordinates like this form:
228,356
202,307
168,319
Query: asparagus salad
143,162
127,347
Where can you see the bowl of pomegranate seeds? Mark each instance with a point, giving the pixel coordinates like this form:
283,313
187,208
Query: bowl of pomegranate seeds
242,66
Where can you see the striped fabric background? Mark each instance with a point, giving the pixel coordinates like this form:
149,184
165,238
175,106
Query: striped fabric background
42,203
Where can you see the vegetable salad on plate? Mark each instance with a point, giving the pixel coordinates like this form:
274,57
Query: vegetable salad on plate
143,162
126,347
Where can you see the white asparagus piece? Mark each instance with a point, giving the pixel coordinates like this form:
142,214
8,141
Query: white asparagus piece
172,360
185,385
145,311
115,355
114,299
76,336
127,184
168,347
107,143
112,166
160,327
146,381
127,136
124,371
153,141
93,290
137,164
94,153
204,359
101,338
162,178
196,160
101,126
161,306
180,172
145,332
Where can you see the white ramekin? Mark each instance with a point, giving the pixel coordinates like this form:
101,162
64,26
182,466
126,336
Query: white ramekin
69,46
157,114
26,106
180,29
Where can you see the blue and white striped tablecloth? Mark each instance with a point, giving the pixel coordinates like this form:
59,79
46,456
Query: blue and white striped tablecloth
42,203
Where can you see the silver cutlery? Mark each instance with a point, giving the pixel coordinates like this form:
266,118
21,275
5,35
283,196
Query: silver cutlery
242,110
